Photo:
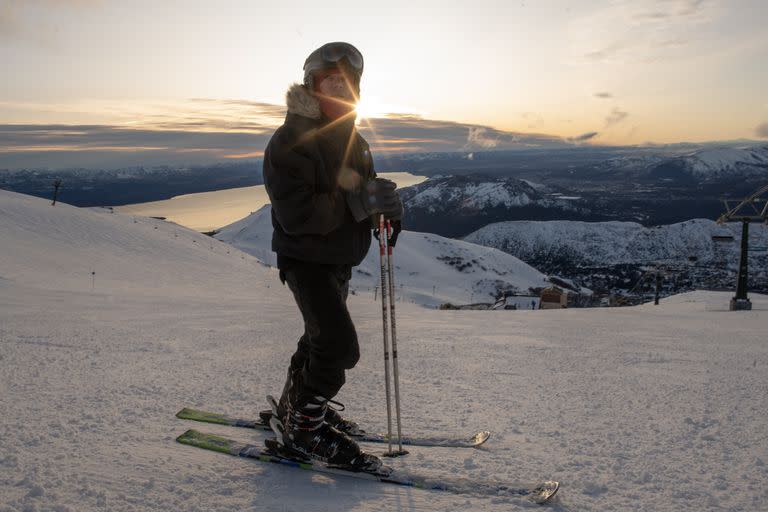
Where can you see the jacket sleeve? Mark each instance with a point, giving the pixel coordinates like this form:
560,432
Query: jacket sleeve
354,201
301,205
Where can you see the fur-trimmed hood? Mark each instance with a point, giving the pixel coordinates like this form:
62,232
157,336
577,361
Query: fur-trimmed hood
302,102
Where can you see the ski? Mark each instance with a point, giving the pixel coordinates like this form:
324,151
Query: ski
537,493
263,424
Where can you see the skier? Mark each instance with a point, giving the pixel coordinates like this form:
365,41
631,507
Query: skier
318,173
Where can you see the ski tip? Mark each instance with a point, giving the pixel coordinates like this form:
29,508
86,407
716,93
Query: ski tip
188,413
191,434
480,438
193,437
544,492
188,436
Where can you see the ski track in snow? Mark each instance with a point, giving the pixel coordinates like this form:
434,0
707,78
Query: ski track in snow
644,408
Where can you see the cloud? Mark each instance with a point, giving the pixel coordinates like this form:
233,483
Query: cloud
479,137
412,133
667,9
83,137
204,130
583,137
603,95
762,130
402,116
115,146
199,140
264,109
626,31
616,116
689,7
671,43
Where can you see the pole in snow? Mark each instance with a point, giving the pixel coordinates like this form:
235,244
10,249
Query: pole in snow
385,330
388,319
395,373
56,185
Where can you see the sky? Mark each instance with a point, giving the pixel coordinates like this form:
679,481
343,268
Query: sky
93,82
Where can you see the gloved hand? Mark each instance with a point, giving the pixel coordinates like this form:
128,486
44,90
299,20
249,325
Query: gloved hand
397,227
378,196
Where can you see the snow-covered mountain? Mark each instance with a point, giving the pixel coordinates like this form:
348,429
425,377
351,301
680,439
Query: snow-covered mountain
711,163
575,249
726,162
603,243
475,193
647,185
456,205
430,269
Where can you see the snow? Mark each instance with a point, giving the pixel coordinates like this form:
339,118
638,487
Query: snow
603,243
430,269
453,194
474,195
645,408
536,186
726,160
713,161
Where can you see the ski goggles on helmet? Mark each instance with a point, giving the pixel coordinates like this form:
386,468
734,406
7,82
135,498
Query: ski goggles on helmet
333,53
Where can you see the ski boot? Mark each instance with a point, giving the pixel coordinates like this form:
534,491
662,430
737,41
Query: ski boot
332,416
301,429
305,432
334,419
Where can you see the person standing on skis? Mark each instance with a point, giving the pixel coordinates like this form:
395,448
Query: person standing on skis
318,173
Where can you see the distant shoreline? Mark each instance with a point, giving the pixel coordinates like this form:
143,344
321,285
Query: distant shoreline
208,211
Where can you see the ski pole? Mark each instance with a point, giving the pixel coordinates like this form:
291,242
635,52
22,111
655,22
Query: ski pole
382,243
395,374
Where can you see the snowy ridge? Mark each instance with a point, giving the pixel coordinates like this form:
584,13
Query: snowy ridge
611,243
70,248
430,269
722,161
711,162
474,193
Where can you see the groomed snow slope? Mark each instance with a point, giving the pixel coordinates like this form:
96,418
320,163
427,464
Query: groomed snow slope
646,408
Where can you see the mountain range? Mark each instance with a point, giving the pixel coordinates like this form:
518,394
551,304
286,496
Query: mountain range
610,256
650,188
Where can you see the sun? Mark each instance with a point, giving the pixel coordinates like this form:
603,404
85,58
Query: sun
365,109
370,107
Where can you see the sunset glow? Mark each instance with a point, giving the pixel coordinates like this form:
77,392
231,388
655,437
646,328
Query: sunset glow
596,72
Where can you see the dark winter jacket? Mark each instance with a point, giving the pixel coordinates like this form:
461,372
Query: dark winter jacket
308,182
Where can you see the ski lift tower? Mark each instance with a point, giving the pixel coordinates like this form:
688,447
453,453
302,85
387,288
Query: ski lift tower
752,209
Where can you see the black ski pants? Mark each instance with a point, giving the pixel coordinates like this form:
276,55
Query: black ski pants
329,344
